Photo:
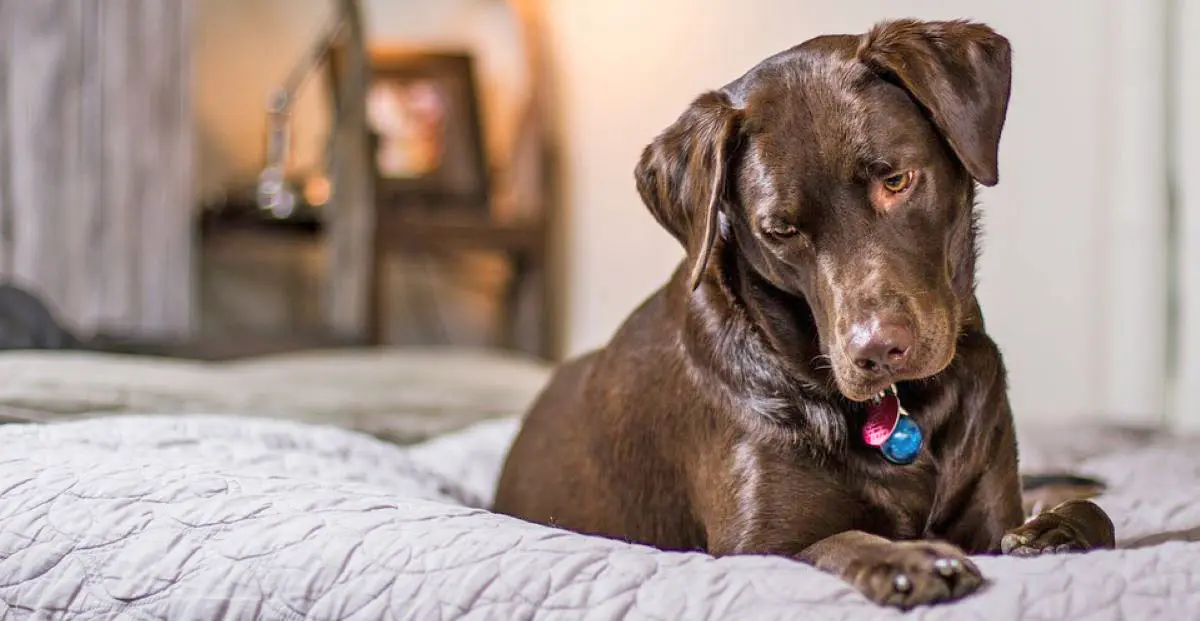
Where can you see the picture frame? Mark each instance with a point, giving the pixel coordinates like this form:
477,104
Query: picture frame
428,145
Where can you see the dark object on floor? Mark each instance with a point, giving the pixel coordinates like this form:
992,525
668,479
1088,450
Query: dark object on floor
1030,482
1046,491
26,323
826,204
226,348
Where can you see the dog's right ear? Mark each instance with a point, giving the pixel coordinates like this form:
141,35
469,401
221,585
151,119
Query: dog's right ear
682,174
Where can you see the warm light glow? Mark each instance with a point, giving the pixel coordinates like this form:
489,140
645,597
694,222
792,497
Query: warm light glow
316,191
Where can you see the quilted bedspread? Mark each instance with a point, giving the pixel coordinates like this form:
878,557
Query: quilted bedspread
208,517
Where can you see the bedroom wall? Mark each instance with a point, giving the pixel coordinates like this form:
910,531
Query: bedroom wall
1184,103
1072,277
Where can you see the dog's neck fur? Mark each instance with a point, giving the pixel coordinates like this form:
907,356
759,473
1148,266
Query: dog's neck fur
775,378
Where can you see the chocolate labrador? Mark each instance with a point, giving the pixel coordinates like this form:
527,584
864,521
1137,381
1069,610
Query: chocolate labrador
815,380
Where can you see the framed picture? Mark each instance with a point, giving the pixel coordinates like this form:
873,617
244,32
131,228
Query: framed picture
423,110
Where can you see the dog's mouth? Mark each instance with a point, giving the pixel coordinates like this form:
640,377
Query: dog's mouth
861,387
868,356
864,391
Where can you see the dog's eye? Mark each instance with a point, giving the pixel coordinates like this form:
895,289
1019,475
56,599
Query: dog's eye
780,229
898,182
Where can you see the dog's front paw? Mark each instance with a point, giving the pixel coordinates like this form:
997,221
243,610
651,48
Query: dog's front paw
1074,526
912,573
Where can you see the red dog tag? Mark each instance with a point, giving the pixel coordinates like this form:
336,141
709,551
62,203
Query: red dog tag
882,416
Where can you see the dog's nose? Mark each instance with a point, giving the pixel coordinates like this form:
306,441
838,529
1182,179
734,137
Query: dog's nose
879,347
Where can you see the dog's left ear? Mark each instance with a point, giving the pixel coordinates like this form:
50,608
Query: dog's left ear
960,72
681,175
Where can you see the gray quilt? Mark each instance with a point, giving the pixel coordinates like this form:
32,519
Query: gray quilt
204,517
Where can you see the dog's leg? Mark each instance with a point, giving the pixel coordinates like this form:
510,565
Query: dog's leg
993,516
1073,526
896,573
991,520
821,532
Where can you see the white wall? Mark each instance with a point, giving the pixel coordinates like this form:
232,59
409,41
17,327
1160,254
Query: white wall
1185,412
1072,273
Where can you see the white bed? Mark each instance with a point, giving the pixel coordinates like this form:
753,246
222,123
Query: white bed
176,514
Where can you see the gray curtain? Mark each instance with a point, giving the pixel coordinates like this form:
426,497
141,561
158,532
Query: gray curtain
96,161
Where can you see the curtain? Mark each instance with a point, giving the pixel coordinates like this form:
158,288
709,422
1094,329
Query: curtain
96,161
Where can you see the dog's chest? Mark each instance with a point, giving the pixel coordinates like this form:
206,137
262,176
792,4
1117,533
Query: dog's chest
897,501
864,492
900,500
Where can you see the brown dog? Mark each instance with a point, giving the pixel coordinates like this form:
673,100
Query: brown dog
826,203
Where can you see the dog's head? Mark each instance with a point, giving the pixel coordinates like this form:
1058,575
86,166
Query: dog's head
843,170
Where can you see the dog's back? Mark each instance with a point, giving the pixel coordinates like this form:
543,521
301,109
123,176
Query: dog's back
548,449
591,455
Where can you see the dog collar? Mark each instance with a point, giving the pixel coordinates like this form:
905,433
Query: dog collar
891,430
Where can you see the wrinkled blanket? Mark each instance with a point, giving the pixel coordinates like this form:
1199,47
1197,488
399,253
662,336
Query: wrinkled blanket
199,517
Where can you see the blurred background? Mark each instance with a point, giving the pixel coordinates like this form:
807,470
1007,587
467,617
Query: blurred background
475,186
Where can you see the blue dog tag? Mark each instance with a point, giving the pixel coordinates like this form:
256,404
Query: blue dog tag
903,446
